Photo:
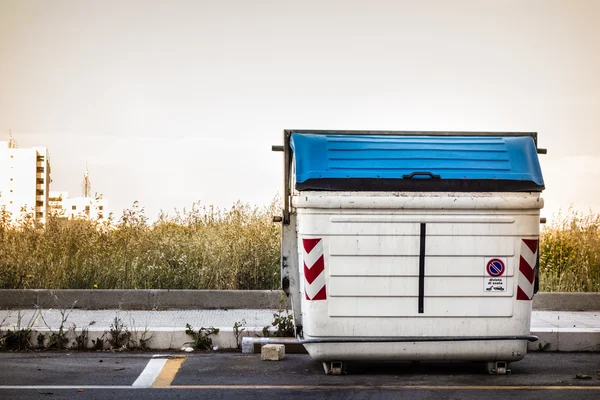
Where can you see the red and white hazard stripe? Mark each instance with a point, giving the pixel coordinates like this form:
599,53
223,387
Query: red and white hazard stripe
314,269
527,264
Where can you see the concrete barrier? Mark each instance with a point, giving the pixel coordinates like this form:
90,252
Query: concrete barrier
15,298
99,299
566,301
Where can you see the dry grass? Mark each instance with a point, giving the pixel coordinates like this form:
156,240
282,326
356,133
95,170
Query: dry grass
570,253
201,248
207,248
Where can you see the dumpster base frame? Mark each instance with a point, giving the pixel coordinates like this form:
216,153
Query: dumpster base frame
508,349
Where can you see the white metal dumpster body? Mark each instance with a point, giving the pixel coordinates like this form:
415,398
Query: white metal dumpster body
408,274
369,278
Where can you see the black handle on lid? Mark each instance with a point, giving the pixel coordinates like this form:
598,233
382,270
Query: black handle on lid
413,174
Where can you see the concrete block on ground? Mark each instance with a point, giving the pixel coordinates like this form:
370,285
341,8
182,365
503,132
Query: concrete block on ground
272,352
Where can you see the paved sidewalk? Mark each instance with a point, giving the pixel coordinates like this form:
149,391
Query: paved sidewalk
565,320
557,330
141,319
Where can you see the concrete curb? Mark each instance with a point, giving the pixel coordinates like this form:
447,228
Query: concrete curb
159,338
566,340
99,299
558,340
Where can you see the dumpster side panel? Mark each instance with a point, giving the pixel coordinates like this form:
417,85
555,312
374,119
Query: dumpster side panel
290,278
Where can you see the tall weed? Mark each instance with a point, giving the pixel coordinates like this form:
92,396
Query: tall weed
570,253
198,248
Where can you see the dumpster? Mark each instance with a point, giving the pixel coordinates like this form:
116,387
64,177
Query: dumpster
411,245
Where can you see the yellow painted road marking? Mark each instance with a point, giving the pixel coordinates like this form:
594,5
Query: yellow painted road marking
385,387
168,372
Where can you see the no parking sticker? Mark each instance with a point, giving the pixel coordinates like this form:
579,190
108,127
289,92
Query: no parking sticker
494,279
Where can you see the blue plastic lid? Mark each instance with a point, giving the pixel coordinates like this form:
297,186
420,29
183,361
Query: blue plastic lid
390,157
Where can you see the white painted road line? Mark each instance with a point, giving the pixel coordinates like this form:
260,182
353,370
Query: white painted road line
312,387
150,373
67,387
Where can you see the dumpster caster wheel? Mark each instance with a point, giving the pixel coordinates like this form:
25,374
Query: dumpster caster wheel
498,368
334,368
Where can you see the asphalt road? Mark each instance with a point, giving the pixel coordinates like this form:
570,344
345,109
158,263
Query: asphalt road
234,375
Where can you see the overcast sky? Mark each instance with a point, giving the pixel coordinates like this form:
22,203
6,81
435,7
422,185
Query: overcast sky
172,102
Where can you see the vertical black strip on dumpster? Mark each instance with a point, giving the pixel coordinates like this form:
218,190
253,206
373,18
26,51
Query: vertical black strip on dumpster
422,269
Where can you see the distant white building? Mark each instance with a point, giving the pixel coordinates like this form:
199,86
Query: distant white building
25,183
24,180
90,208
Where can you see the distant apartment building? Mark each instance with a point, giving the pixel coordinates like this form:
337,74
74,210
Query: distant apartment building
24,180
56,202
90,208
